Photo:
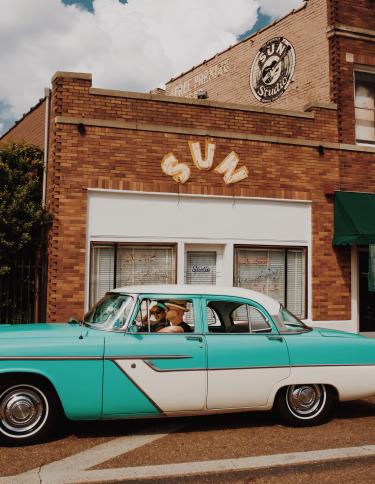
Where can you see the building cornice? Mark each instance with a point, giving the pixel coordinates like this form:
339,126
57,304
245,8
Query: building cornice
157,128
341,30
198,102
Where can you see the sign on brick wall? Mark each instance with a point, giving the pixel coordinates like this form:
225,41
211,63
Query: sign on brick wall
228,167
272,69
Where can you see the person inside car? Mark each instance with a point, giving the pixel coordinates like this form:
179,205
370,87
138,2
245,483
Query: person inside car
175,313
158,313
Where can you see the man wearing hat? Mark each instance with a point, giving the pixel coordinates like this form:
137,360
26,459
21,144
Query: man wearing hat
158,312
175,313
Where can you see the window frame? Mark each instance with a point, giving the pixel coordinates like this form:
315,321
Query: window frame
198,324
116,246
362,70
304,249
249,302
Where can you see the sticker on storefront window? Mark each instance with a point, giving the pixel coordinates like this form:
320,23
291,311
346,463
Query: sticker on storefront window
272,69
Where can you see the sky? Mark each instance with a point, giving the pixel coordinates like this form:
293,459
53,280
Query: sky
133,45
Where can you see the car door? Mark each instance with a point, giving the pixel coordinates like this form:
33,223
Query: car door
151,372
246,355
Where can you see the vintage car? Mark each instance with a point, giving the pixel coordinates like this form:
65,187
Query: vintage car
131,357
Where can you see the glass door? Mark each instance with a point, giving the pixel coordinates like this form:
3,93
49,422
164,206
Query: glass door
366,298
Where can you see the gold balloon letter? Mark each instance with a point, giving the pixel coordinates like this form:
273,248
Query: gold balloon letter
228,166
196,154
178,171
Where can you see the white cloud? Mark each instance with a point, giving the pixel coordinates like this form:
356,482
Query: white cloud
136,46
277,8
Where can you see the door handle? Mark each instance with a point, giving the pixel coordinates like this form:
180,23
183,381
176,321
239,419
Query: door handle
195,338
274,337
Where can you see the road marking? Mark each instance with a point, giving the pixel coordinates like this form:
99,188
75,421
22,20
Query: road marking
56,474
92,457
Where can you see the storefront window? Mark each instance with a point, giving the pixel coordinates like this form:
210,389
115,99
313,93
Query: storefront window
116,265
200,268
279,273
365,107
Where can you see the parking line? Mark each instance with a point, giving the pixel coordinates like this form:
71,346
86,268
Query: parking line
200,467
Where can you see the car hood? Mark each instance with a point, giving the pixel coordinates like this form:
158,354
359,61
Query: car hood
39,330
42,340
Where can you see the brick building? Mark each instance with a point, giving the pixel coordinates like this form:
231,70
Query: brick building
266,181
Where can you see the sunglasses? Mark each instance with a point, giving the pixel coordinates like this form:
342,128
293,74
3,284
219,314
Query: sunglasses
157,311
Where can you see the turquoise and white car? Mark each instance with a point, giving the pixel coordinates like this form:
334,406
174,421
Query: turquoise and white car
239,351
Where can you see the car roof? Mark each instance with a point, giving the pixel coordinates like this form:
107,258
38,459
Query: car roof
270,304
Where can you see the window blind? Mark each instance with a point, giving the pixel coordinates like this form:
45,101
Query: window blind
201,268
279,273
261,270
138,265
102,275
365,107
296,282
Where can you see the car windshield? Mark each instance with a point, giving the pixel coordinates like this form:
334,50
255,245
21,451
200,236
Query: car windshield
288,322
111,312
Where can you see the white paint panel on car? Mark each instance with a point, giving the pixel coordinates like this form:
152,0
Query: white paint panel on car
172,391
249,387
351,382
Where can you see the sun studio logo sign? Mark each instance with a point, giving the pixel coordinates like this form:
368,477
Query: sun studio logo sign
272,69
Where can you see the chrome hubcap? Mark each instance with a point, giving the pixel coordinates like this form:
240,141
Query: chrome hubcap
306,401
23,410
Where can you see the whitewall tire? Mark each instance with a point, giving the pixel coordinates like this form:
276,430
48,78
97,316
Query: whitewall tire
304,404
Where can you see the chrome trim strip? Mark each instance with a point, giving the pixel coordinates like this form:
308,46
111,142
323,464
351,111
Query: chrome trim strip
155,368
50,358
139,388
162,370
147,357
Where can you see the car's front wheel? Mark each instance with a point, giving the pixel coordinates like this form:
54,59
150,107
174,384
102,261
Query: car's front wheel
27,411
304,404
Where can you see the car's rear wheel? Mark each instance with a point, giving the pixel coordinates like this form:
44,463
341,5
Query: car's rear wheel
28,411
304,404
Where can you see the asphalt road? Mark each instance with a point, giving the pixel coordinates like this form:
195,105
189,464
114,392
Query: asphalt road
216,437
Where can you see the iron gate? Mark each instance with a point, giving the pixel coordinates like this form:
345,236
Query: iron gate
22,291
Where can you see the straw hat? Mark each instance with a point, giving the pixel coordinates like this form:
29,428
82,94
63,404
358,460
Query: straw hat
181,305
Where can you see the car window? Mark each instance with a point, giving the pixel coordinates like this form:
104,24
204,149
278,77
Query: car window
111,311
153,315
235,317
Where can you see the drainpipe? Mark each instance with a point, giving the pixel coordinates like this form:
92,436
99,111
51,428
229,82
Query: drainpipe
47,94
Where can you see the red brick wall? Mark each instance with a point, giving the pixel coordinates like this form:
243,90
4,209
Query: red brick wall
349,47
30,128
360,14
117,158
305,29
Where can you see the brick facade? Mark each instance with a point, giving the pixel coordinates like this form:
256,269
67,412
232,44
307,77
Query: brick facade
301,147
30,128
127,135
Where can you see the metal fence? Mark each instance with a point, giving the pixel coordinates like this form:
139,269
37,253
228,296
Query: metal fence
22,291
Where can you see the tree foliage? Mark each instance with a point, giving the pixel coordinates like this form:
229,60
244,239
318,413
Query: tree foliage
22,217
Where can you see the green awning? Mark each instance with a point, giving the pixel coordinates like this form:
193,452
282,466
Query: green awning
354,218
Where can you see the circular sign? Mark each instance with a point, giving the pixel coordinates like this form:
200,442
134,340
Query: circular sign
272,69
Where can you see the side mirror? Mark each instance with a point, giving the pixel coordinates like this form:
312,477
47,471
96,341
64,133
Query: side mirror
72,320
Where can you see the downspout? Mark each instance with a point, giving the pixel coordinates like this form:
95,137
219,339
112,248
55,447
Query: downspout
47,94
42,260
